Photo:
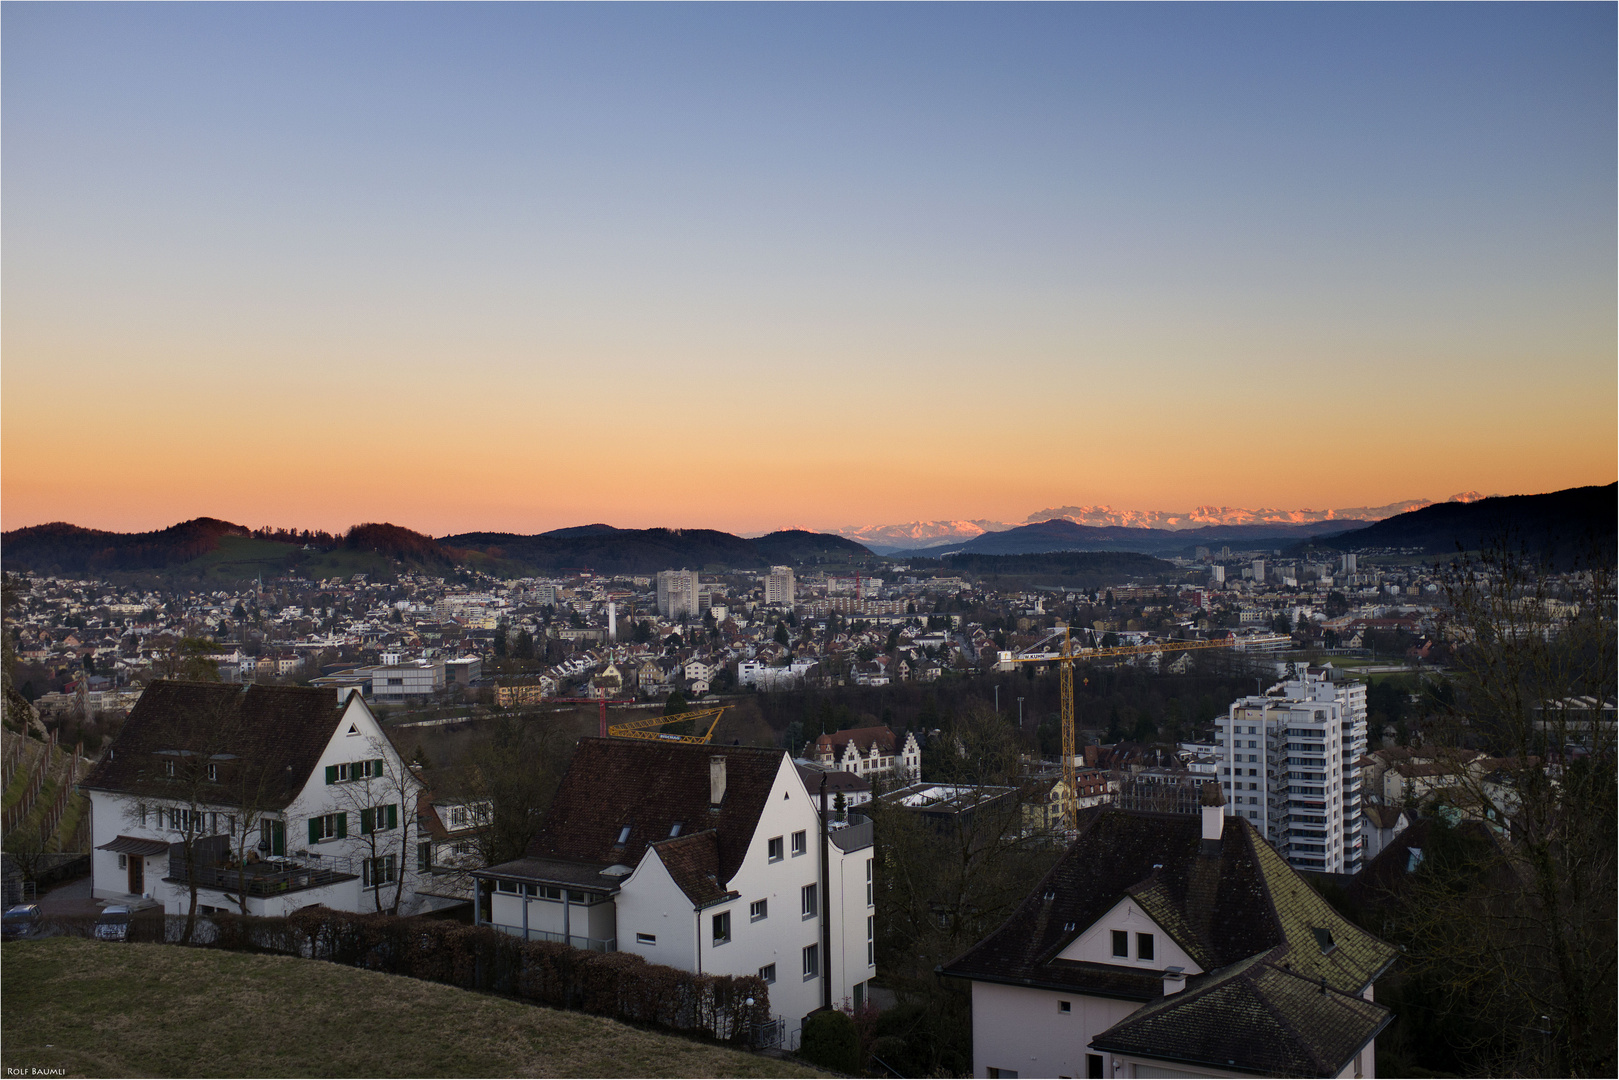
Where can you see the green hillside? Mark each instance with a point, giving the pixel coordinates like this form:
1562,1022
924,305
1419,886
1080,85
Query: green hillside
104,1009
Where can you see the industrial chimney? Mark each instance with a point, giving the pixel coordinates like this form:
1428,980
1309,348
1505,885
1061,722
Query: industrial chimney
716,780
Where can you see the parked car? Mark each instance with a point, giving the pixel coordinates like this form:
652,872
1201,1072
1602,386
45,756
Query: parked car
113,923
21,921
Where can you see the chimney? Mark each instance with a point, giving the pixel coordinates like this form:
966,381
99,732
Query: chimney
1174,980
1212,801
716,780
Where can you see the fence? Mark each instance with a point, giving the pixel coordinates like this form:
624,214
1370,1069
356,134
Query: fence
53,816
42,767
624,986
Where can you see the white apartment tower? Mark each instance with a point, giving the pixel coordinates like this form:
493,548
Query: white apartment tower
1259,571
677,593
779,585
1287,764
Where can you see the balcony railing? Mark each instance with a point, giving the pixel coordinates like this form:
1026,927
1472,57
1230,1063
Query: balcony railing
603,945
268,878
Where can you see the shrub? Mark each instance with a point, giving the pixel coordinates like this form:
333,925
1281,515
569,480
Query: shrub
829,1040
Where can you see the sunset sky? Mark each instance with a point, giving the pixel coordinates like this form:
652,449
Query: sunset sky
520,267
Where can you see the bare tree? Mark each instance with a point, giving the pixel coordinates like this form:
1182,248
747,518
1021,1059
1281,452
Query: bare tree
1522,937
510,781
383,801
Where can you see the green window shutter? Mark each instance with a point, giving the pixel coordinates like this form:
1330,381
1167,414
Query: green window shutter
393,815
376,767
367,821
331,774
342,824
314,830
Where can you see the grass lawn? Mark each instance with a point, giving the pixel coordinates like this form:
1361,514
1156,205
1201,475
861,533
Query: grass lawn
106,1009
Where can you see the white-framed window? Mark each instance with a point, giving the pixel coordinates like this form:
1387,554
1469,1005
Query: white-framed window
773,849
458,816
328,827
807,900
812,961
1065,1006
759,909
1121,943
1144,947
722,928
768,973
383,870
123,862
871,940
800,843
424,856
168,768
870,901
646,939
213,771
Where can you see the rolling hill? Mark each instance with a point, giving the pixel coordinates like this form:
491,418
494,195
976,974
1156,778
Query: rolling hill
1562,526
210,549
1062,535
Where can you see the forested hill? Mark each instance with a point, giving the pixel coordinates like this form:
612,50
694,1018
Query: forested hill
1567,526
607,550
210,548
1076,569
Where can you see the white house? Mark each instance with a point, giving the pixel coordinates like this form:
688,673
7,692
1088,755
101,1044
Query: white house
284,794
868,752
1174,945
703,858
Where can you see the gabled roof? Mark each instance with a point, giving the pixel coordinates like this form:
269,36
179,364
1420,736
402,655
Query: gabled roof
1282,970
1220,908
694,862
1254,1016
863,738
278,732
649,787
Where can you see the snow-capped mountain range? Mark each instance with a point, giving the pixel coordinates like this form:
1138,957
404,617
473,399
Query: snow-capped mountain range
913,534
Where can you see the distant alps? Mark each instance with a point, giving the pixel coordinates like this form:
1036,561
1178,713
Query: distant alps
917,534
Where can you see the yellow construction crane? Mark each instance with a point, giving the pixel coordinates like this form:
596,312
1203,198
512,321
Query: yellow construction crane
1065,665
647,727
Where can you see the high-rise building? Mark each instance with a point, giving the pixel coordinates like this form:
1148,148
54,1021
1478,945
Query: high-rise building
1349,563
779,585
1287,763
1259,571
1217,574
677,593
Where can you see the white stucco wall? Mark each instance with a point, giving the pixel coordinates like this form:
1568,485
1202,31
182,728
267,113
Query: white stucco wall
1096,943
1024,1030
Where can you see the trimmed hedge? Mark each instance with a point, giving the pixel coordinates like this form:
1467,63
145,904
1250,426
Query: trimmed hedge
623,986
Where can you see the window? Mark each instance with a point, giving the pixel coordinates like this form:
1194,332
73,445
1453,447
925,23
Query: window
994,1073
646,939
812,961
379,871
1065,1006
869,901
759,909
213,772
123,862
1121,943
623,835
1093,1065
424,856
458,816
799,846
1143,946
722,928
379,819
768,973
773,849
353,770
506,886
674,830
871,940
328,827
859,994
168,768
806,897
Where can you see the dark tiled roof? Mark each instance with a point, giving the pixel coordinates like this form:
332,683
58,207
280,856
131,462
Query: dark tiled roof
650,786
1282,970
1252,1016
836,780
281,730
554,872
1213,906
863,739
694,862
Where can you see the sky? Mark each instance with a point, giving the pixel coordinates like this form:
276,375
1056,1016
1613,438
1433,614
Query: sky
513,267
